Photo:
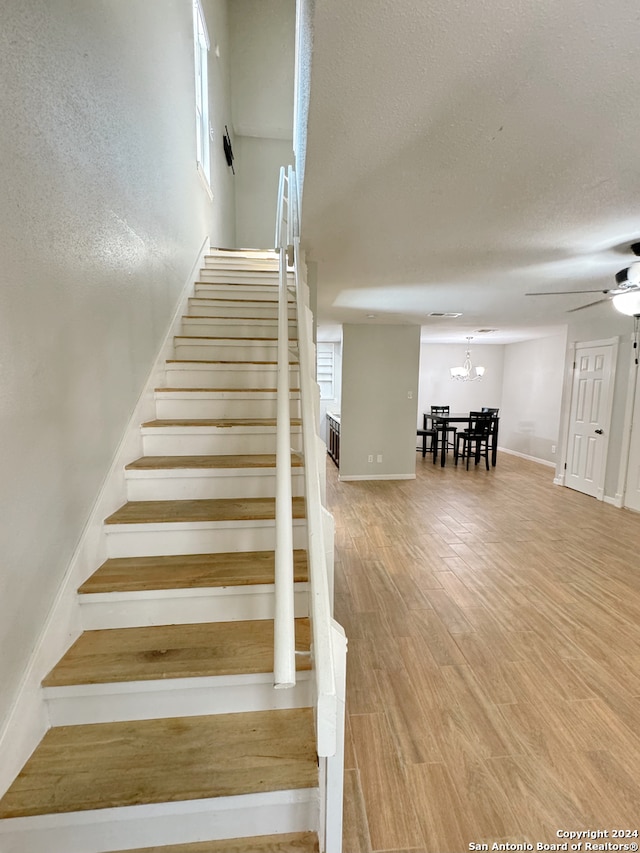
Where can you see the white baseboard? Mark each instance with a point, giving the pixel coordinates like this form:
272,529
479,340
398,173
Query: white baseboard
616,501
525,456
353,477
28,720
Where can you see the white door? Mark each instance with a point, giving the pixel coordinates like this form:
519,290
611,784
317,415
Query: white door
632,492
590,417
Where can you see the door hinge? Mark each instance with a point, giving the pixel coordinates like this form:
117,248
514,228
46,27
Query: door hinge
565,466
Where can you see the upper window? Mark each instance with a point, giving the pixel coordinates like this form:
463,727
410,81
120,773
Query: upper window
201,50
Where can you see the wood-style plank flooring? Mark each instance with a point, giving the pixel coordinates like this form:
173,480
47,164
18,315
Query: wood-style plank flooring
493,672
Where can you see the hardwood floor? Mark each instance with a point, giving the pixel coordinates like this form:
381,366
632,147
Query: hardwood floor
493,672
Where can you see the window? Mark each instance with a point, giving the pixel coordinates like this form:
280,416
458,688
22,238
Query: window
201,51
325,371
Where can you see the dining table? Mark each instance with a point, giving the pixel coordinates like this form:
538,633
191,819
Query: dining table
440,424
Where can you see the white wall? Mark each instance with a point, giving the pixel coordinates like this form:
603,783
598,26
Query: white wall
532,394
437,388
102,214
258,163
262,67
379,372
262,75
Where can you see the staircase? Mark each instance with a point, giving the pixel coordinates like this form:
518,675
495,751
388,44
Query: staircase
166,733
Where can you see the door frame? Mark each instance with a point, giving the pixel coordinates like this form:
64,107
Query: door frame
570,377
633,388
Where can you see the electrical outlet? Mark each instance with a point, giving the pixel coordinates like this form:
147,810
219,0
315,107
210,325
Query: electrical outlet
379,457
371,457
409,395
553,448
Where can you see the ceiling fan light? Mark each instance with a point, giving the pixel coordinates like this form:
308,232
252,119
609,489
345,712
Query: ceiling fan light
628,303
633,273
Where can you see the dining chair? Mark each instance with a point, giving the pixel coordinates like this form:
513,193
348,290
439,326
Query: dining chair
447,432
494,426
425,434
475,439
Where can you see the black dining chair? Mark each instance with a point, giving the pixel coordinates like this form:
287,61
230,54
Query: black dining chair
476,439
447,433
494,426
425,434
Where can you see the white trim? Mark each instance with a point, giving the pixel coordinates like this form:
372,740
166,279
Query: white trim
27,720
627,427
615,501
526,456
345,478
204,179
99,830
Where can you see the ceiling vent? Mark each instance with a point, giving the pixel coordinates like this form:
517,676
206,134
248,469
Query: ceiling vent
445,314
485,331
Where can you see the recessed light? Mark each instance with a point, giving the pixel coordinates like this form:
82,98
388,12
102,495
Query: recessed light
371,316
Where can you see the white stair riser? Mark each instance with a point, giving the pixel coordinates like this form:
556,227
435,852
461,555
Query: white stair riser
251,277
244,260
236,327
228,308
162,824
170,441
227,376
237,483
258,292
172,407
180,607
183,697
225,350
139,540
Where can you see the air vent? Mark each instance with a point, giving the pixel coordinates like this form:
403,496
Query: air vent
485,331
445,314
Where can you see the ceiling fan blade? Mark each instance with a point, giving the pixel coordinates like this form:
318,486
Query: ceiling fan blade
565,292
589,304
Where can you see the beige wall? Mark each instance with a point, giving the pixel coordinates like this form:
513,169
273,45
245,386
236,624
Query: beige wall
379,401
102,214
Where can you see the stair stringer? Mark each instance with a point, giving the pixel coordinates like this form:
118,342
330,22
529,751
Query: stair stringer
28,719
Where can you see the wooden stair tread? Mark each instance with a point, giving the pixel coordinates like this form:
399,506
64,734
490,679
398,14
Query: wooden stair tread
226,317
160,652
291,842
245,460
220,390
189,571
212,509
231,299
214,361
217,422
108,765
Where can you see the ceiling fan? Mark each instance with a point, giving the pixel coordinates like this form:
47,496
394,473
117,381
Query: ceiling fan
627,280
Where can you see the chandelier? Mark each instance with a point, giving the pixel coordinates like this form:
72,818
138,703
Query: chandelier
467,373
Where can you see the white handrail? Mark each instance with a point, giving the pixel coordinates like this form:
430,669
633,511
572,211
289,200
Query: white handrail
319,600
284,660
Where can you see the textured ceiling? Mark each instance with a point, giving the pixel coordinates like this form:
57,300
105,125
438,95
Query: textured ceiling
461,154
